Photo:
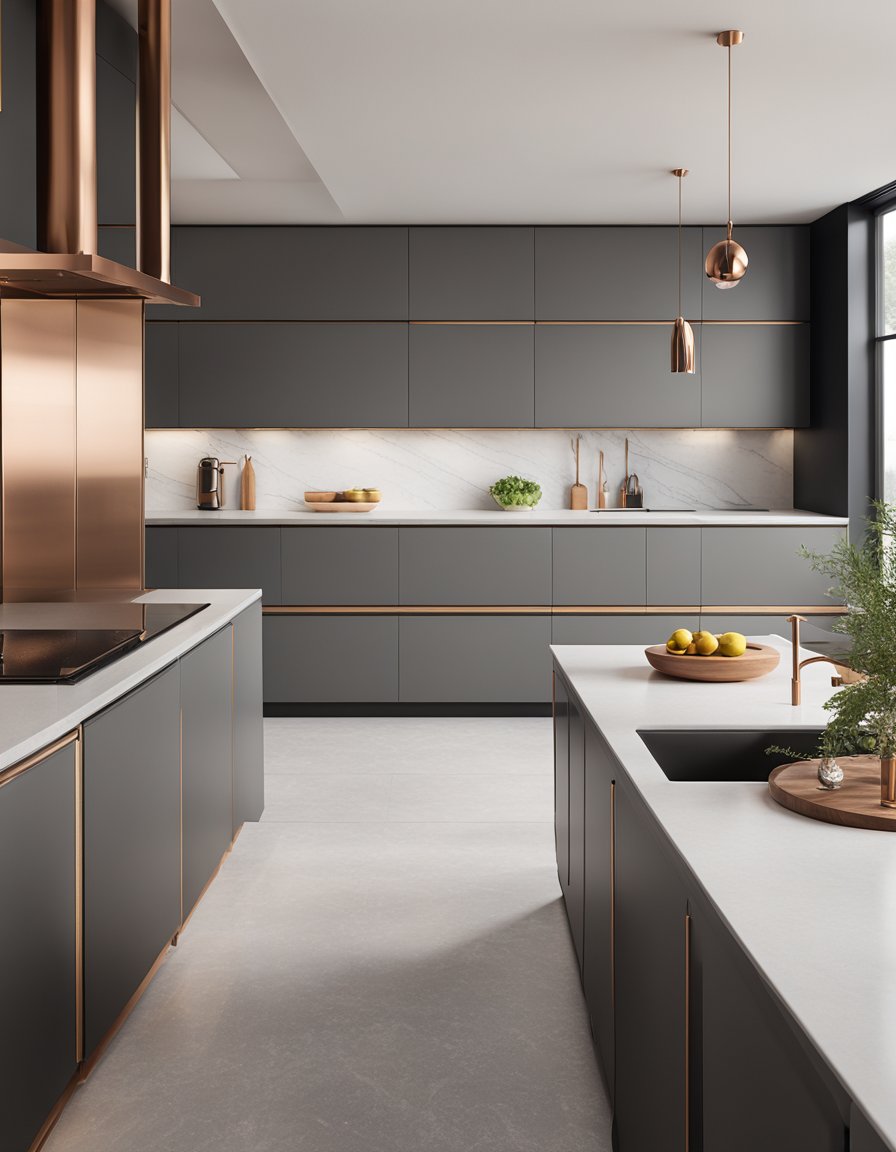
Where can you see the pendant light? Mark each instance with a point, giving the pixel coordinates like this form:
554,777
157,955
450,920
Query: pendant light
682,332
726,262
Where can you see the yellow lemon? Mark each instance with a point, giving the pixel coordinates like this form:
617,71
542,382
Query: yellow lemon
706,643
691,650
732,644
680,638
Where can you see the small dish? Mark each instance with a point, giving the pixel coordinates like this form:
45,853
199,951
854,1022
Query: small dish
320,497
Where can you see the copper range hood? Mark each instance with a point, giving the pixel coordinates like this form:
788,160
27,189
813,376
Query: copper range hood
67,266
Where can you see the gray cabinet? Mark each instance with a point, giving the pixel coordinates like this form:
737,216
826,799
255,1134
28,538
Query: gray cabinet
18,124
574,892
116,145
293,273
132,839
818,628
231,556
611,376
330,659
251,375
619,629
600,566
475,659
763,566
455,566
561,778
248,723
478,273
607,273
673,566
161,557
340,566
161,375
755,376
776,285
207,741
38,993
862,1135
464,375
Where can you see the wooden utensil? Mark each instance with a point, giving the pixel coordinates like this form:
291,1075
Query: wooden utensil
247,485
758,660
602,489
578,493
623,491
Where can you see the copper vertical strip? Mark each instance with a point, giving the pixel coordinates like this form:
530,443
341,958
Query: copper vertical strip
232,727
154,139
37,445
687,1031
181,739
110,444
79,896
613,892
67,126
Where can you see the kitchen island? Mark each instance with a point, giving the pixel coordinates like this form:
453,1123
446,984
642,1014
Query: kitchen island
120,796
736,957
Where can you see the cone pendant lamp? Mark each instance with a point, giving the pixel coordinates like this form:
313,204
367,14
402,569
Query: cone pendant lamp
682,332
726,262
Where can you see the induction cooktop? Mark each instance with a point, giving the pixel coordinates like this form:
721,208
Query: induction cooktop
59,654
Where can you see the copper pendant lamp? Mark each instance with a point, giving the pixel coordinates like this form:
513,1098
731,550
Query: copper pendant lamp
682,332
726,262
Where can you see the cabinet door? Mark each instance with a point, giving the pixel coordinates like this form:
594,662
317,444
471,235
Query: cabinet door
600,566
611,376
231,556
161,556
132,845
475,659
38,991
207,701
446,566
776,285
763,566
759,1086
599,832
248,718
755,376
602,273
18,124
478,273
673,566
818,628
293,273
651,903
351,565
471,376
862,1136
116,146
561,779
294,375
330,659
161,375
574,894
619,629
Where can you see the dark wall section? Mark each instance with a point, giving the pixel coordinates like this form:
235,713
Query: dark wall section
834,457
18,123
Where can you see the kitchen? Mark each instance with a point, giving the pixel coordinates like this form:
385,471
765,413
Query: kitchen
344,482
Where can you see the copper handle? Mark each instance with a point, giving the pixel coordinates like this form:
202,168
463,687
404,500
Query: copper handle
687,1031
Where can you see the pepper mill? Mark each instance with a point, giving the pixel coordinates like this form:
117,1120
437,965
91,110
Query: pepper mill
247,485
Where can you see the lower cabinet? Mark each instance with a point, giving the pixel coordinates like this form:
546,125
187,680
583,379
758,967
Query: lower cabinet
618,629
561,780
327,659
574,892
248,718
132,878
475,659
37,966
207,742
815,628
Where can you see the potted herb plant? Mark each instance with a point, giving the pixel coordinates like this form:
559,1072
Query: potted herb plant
515,494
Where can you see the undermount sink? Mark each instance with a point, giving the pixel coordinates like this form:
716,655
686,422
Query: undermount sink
708,754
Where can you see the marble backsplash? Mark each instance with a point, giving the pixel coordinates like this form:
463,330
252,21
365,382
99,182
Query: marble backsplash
453,468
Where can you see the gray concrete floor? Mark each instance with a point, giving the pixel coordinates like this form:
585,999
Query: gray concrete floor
382,965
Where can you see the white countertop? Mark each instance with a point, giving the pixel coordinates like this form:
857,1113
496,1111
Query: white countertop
537,516
34,715
813,904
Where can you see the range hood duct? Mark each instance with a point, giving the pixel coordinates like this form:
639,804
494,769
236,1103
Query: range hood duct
68,265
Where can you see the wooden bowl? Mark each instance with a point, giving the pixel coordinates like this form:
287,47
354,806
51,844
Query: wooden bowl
758,660
340,506
320,497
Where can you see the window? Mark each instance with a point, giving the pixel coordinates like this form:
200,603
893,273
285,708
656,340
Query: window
886,353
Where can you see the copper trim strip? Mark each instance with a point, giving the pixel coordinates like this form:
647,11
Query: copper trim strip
10,774
687,1031
613,900
232,725
181,740
778,609
50,1123
79,894
541,610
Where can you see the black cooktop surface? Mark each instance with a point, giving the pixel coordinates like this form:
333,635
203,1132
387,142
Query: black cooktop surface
62,655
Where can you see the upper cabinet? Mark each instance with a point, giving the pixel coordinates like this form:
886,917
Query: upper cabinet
18,124
616,273
755,375
267,273
476,273
776,285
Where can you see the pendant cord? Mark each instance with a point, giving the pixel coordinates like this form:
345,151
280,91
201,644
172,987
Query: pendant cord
729,138
680,178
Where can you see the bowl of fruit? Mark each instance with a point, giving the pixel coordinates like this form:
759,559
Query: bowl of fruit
724,657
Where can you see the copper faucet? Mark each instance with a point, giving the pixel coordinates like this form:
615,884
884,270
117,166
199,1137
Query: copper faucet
845,675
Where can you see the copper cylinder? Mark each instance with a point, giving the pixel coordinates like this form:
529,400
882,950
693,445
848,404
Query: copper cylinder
888,781
67,126
154,139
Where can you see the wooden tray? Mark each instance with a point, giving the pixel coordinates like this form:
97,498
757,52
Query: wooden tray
758,660
855,804
340,506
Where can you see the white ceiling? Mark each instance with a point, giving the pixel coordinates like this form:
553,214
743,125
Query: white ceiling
547,111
